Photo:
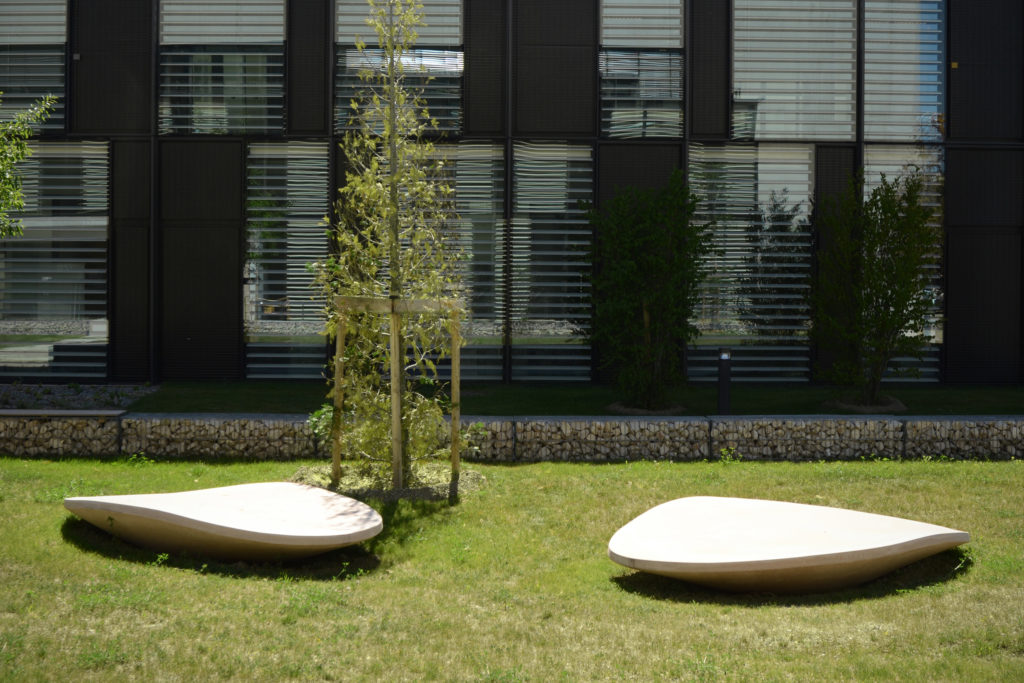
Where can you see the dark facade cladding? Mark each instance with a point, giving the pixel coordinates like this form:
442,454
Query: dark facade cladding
175,196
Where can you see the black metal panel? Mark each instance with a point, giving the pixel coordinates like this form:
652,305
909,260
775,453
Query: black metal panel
566,22
986,55
201,180
556,67
111,76
984,187
130,259
833,168
202,219
309,46
644,166
710,51
201,312
983,305
484,84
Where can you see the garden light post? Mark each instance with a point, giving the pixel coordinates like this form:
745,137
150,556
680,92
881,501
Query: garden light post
724,378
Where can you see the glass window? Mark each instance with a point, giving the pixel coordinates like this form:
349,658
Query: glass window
893,160
794,70
435,74
904,70
642,23
641,94
53,279
476,172
443,19
221,66
286,199
32,49
549,302
754,297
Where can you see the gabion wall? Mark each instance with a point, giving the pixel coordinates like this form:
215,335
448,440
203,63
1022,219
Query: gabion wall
287,437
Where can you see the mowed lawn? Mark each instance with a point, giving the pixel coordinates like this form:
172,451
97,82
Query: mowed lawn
511,584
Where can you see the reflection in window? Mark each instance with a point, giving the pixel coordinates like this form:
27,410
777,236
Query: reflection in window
32,54
221,67
435,75
794,71
754,297
904,69
894,160
53,279
286,200
549,301
641,94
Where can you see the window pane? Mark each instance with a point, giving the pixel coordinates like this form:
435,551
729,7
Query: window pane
893,160
286,199
32,47
642,23
904,70
53,279
754,297
221,67
476,171
794,73
550,263
641,94
221,89
435,74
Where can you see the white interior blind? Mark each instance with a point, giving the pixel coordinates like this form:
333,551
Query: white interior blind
32,44
191,22
287,197
794,71
642,23
754,297
442,19
904,69
641,93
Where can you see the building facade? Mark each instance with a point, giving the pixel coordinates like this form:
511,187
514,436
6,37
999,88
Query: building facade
177,194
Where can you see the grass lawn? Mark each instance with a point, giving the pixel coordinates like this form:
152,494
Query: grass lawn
512,584
584,399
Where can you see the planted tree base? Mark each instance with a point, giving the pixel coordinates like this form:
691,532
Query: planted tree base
623,409
886,404
430,481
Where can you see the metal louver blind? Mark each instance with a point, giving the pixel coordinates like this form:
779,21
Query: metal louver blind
754,296
893,160
641,94
32,46
195,22
549,301
53,279
476,171
436,74
642,23
443,19
221,67
286,199
794,72
904,70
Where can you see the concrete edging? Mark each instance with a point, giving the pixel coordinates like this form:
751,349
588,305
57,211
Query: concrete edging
527,439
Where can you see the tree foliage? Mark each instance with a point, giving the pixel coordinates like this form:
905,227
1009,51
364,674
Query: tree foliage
647,261
392,237
14,135
870,298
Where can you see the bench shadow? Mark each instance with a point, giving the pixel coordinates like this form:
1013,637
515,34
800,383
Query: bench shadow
943,567
336,565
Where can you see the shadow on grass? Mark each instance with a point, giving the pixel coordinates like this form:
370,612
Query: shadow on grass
337,565
939,568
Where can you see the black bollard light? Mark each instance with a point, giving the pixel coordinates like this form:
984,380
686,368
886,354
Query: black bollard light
724,378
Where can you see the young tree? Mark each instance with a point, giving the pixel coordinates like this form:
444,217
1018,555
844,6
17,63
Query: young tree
647,268
14,135
870,297
391,239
